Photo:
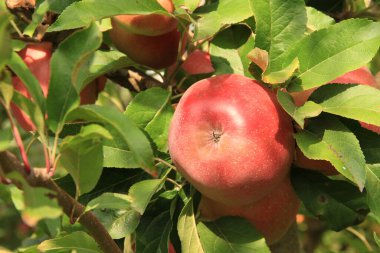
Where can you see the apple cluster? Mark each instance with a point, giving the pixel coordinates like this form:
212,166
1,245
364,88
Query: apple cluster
234,143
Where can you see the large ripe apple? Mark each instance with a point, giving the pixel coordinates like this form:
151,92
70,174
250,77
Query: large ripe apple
231,139
272,215
151,40
37,57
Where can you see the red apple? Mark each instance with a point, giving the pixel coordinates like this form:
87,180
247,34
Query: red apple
90,93
153,51
198,62
151,24
231,139
150,40
272,215
37,58
322,166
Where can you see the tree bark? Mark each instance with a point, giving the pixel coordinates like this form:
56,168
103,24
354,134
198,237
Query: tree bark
71,207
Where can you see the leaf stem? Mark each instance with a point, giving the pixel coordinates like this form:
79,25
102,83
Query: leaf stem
165,163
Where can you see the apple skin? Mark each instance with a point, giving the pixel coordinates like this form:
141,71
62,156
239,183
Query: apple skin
153,51
198,62
151,40
90,93
151,24
37,58
231,139
272,215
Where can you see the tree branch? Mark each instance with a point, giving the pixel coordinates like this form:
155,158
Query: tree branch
71,207
133,79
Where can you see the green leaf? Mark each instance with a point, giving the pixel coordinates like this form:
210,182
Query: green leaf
128,132
58,6
231,235
82,13
100,63
118,222
37,203
187,230
369,141
229,50
18,66
336,202
329,53
62,97
6,88
118,158
142,192
38,16
373,188
190,5
279,25
153,234
82,156
377,239
299,114
78,241
31,109
152,111
109,200
317,20
5,42
358,102
326,138
6,139
221,14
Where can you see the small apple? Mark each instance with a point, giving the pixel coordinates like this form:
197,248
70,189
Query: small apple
151,24
231,139
37,58
272,215
322,166
198,62
90,93
151,40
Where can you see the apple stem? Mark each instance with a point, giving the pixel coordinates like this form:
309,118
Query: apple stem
18,139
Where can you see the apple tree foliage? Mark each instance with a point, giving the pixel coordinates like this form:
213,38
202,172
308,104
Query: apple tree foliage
112,157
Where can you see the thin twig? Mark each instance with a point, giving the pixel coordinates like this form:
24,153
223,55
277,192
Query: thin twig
39,178
165,163
18,139
361,237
